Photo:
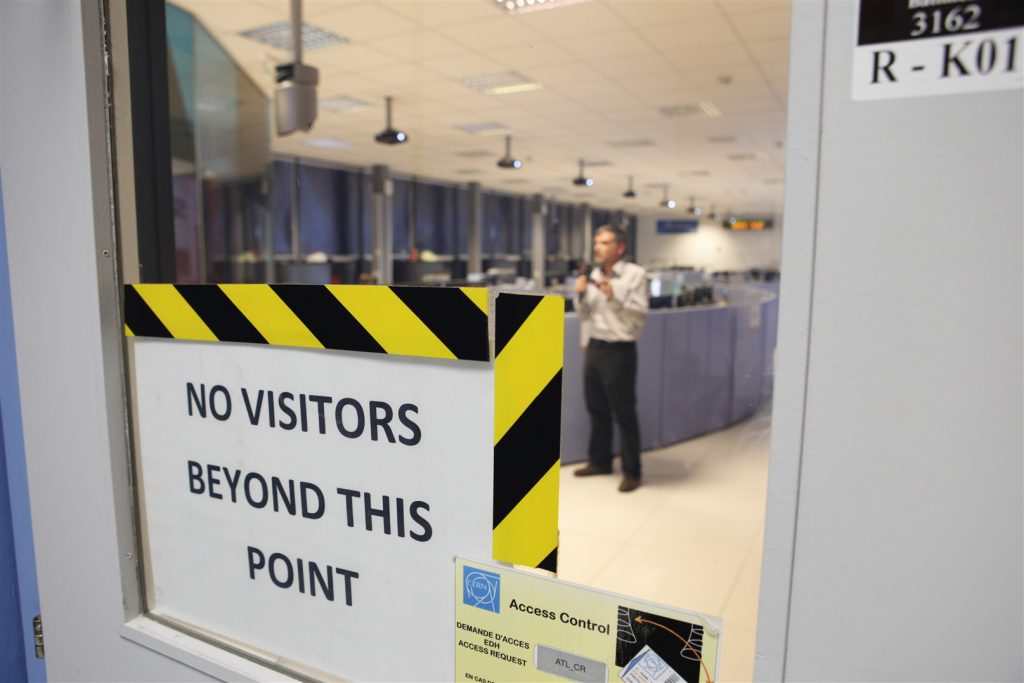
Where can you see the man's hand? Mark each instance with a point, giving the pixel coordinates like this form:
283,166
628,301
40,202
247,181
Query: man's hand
606,288
581,284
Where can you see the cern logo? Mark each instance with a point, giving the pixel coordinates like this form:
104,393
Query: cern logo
481,589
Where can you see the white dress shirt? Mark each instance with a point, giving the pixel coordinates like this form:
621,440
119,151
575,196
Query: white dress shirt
622,317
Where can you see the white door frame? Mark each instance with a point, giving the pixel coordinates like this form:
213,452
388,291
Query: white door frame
62,246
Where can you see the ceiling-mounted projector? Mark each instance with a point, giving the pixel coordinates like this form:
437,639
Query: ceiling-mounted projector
629,193
582,179
665,201
507,161
390,136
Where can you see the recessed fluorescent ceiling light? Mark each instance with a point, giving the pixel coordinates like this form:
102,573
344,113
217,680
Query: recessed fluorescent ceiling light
709,108
680,110
341,104
523,6
619,144
500,84
326,143
279,35
483,128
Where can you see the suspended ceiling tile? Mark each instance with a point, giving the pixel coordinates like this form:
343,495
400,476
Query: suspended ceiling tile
442,13
771,51
730,79
635,115
401,75
574,20
352,58
642,13
364,22
490,33
706,31
417,46
629,67
763,26
761,105
672,88
224,15
534,54
607,46
572,72
745,7
720,57
471,65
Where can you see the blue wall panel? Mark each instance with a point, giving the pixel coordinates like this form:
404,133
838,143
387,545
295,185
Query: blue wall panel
19,597
12,650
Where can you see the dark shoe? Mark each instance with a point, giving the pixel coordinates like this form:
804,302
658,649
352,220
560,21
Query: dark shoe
590,470
629,484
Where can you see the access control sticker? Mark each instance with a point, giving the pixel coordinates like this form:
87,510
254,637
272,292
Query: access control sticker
915,48
513,625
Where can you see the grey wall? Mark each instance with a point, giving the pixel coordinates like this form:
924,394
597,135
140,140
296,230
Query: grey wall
905,528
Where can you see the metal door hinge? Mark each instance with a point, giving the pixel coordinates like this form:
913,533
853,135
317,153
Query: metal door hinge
37,633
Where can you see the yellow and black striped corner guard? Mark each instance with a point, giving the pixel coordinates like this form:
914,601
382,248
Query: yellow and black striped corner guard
431,322
528,341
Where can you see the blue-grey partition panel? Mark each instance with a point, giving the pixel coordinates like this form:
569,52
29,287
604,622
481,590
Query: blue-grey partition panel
678,379
748,362
575,423
720,365
650,350
700,369
698,343
770,320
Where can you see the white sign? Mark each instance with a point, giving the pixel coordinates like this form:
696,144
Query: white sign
915,48
309,503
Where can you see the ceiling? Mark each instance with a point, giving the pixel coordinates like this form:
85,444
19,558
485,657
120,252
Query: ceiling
611,71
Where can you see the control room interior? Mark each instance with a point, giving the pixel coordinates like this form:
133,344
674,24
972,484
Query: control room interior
678,100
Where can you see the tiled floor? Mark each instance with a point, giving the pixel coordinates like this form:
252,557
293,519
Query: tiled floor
690,537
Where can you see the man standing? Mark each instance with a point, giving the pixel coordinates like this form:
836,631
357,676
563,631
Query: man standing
613,299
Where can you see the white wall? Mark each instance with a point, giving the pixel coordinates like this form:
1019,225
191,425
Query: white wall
905,519
711,248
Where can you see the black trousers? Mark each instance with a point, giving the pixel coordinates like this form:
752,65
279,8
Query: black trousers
609,385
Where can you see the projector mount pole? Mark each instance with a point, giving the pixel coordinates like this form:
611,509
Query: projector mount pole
296,31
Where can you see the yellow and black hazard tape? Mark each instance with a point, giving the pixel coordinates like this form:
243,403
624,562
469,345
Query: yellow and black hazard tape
429,322
527,428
